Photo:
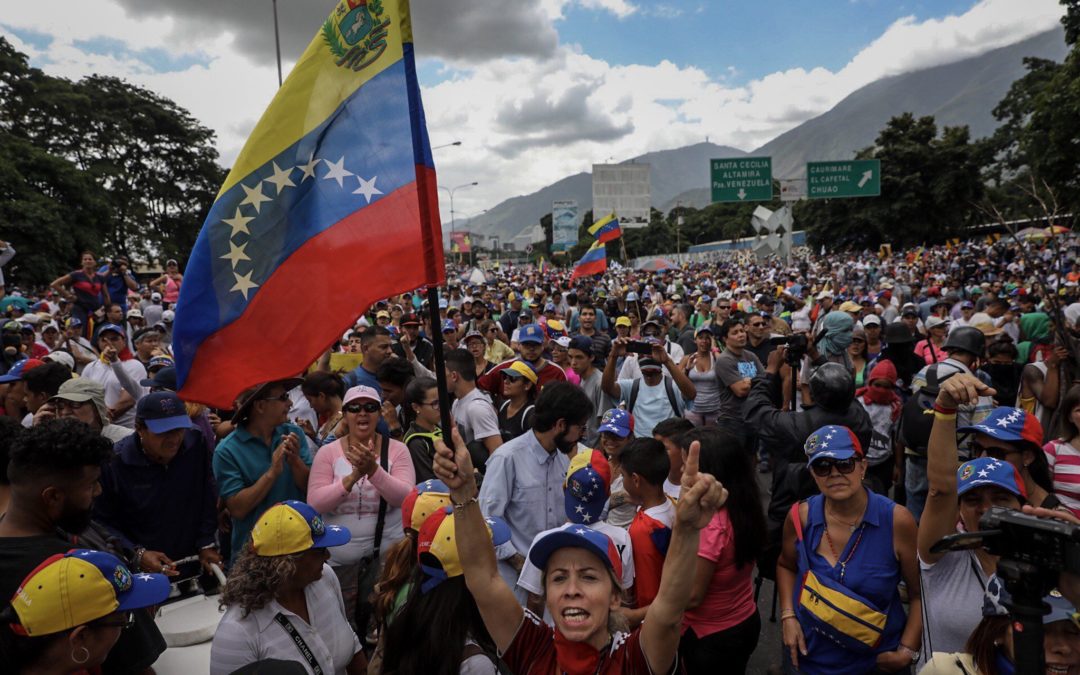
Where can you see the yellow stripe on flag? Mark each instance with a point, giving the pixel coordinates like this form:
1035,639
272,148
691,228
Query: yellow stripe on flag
317,85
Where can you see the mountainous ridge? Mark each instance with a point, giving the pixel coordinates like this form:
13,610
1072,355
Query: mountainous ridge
957,93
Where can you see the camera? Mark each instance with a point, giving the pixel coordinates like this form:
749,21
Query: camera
796,344
1051,545
639,347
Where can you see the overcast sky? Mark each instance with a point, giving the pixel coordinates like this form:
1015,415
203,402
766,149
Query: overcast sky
539,89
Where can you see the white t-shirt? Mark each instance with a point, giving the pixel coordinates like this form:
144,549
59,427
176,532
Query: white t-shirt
103,373
672,489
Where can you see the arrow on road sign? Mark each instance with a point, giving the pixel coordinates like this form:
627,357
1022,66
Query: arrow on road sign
742,193
867,175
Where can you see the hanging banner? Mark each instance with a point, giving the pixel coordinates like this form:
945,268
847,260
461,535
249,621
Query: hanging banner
564,225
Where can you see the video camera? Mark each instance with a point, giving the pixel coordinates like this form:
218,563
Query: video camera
796,344
1033,552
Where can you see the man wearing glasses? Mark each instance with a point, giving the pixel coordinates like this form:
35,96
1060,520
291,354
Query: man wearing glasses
264,460
758,334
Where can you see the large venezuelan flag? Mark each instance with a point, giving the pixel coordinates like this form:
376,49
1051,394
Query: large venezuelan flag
331,205
593,262
606,229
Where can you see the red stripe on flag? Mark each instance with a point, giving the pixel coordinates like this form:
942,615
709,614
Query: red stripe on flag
308,302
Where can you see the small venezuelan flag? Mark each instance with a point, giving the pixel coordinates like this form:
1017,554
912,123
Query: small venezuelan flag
593,262
331,205
606,229
543,267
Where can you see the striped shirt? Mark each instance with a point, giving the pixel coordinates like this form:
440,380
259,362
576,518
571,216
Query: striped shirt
1064,461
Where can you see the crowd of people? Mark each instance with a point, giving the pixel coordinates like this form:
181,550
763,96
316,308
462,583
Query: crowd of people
632,455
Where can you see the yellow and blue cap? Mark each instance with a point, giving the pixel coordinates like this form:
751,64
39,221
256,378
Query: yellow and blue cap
294,527
424,499
587,486
74,588
437,548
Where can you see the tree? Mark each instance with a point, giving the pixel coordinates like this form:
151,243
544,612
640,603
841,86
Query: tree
153,166
929,184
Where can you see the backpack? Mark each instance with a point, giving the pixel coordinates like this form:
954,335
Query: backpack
915,422
669,387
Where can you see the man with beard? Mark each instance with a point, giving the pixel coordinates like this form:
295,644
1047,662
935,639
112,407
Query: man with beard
54,470
524,480
420,346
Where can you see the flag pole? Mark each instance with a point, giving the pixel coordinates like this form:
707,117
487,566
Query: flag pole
277,44
440,361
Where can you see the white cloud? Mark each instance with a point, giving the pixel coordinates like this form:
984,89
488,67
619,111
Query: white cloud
527,121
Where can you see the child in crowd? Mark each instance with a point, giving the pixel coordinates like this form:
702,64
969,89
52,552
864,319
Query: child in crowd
669,432
644,467
616,430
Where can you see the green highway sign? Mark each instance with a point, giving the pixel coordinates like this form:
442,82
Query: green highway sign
742,179
852,178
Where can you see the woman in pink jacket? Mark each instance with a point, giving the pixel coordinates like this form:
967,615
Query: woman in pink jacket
359,481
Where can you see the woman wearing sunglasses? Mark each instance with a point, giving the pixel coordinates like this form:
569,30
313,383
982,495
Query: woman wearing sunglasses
358,482
953,581
68,613
844,553
1012,435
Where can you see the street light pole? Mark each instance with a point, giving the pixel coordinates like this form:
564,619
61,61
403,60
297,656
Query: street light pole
452,190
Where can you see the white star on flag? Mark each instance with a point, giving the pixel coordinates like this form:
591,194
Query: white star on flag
337,171
238,223
579,531
255,196
579,509
586,517
243,284
308,169
236,253
145,577
1003,422
367,188
281,178
984,473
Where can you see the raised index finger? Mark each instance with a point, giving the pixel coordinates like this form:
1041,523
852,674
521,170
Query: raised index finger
690,467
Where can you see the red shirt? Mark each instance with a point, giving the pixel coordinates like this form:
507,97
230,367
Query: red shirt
536,650
491,381
650,534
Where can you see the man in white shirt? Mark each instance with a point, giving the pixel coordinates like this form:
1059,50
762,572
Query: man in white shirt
119,373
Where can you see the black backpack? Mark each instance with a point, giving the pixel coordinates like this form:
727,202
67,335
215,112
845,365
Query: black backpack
915,421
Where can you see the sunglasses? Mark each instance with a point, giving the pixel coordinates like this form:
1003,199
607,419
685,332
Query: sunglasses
824,467
123,622
757,324
284,398
981,450
369,407
434,405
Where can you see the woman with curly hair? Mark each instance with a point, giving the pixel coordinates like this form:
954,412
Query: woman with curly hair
283,601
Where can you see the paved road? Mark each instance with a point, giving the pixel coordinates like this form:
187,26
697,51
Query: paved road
767,654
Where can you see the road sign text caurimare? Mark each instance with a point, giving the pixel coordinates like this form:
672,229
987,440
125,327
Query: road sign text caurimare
853,178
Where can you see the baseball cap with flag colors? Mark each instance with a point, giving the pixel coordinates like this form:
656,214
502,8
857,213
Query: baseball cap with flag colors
437,550
1009,424
593,541
617,421
74,588
294,527
985,471
424,499
832,441
587,486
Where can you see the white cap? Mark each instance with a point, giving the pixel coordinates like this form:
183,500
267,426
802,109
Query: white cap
61,357
168,315
871,320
